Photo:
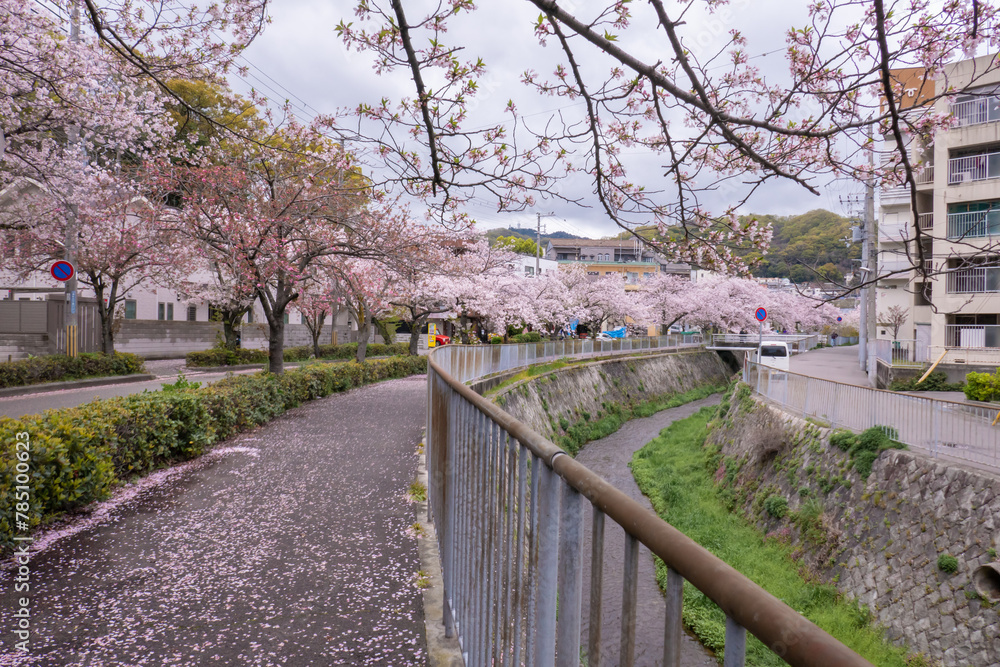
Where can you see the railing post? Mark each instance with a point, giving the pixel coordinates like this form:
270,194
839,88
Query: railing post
630,582
596,589
674,630
736,644
547,566
570,578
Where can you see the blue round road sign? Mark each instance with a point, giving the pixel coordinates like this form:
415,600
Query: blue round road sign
761,314
62,270
840,319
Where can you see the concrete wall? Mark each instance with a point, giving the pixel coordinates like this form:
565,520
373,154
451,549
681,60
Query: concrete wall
15,346
880,538
569,392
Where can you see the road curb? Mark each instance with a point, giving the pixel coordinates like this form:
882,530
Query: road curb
44,387
442,651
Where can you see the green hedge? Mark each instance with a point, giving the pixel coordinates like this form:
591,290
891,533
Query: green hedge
224,357
936,381
78,454
58,367
982,386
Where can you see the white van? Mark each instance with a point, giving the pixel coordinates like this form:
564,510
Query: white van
773,353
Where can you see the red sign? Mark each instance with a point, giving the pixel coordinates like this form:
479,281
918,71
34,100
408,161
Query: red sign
62,271
761,314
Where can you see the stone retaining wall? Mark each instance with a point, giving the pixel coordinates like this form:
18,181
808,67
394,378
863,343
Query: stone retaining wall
878,539
569,393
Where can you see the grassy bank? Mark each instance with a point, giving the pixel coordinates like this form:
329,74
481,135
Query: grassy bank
674,471
572,437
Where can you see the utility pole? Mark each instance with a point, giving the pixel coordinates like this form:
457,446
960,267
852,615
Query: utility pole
871,225
538,239
869,266
69,307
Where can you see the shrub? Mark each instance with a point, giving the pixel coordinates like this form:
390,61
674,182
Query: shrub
776,506
527,337
936,381
983,386
54,368
947,563
843,439
78,454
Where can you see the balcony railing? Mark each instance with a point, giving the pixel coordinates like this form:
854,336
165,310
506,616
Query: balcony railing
972,225
926,176
976,111
973,281
926,221
973,336
973,168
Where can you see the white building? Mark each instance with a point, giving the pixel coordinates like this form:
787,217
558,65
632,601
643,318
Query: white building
957,310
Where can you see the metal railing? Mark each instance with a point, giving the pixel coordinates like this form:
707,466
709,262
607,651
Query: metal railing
974,224
976,111
926,176
944,429
972,356
973,168
796,342
973,281
898,352
972,335
925,220
510,509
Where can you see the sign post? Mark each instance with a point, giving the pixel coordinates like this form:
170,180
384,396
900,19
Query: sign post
761,315
64,272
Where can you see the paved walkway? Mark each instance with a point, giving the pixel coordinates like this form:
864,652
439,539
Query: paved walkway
831,363
609,457
286,546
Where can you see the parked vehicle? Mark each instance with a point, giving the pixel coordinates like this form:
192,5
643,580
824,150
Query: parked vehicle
773,353
441,340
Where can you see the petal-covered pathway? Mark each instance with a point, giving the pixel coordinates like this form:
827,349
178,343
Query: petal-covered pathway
289,545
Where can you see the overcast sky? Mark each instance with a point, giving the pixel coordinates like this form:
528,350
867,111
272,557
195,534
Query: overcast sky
300,57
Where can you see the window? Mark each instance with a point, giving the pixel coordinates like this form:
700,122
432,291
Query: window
192,313
285,318
250,316
129,309
773,351
164,311
529,270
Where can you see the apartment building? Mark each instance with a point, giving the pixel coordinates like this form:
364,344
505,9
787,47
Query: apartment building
956,311
628,258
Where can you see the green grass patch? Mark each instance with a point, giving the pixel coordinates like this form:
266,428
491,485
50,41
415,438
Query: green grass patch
529,372
674,472
614,415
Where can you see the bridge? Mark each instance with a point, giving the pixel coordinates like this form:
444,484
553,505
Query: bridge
797,343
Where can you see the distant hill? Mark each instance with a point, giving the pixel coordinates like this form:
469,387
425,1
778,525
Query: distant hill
527,233
814,239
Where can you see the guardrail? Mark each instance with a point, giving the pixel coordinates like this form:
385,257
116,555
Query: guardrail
510,507
951,430
796,342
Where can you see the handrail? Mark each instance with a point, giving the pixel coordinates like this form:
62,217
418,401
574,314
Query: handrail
472,440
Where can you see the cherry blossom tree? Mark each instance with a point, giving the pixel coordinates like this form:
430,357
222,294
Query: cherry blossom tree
121,243
706,113
270,214
366,287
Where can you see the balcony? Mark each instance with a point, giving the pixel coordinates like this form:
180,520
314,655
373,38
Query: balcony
976,111
925,177
973,225
974,336
973,168
980,280
890,262
926,221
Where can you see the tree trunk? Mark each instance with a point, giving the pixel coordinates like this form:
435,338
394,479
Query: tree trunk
383,331
364,331
415,327
230,328
276,343
107,334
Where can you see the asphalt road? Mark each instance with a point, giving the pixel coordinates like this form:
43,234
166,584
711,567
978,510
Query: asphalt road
609,457
289,545
18,406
